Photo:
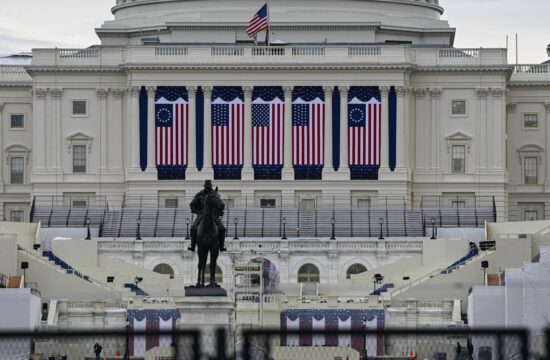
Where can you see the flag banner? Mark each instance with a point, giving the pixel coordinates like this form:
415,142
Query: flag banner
308,132
356,319
171,132
268,120
227,132
259,22
150,320
364,132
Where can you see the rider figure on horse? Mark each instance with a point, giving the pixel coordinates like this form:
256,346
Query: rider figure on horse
197,207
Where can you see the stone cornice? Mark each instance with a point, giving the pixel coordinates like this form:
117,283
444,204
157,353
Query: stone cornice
79,69
529,84
264,66
16,85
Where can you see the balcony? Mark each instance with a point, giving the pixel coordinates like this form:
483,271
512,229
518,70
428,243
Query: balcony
531,73
14,74
272,55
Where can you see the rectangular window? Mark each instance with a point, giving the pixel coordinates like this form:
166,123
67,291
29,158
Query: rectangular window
458,154
17,170
530,215
363,203
458,107
267,203
17,216
458,203
80,107
307,204
80,203
79,158
171,203
17,121
530,121
530,170
229,203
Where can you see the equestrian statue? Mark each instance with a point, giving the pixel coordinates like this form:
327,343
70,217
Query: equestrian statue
207,231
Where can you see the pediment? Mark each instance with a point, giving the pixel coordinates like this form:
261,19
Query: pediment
79,136
531,148
17,148
458,136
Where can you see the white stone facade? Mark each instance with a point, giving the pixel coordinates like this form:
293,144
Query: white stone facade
502,114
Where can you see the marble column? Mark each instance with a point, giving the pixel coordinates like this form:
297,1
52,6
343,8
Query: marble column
134,125
151,141
421,160
328,169
192,134
288,171
385,133
482,128
103,121
435,95
400,142
248,171
116,127
207,171
547,152
499,134
39,130
343,170
56,115
1,145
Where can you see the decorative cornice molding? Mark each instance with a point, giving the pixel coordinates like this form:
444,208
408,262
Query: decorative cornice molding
191,91
435,93
102,93
118,93
419,93
57,93
151,91
134,91
401,91
264,67
498,92
511,107
482,93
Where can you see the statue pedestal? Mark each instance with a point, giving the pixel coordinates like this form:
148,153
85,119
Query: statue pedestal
205,291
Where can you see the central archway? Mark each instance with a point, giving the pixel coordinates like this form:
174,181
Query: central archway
164,269
309,273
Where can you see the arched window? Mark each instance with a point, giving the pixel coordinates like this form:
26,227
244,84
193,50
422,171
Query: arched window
219,273
355,269
164,269
308,273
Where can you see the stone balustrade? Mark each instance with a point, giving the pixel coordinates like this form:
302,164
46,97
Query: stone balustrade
531,73
261,55
14,73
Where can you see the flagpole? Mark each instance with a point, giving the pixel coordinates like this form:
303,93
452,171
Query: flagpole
268,22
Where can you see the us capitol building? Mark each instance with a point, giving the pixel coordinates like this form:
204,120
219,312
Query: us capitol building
339,147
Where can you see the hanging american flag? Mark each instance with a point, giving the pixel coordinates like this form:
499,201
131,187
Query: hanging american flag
268,115
364,131
308,128
259,22
333,320
171,130
227,127
150,320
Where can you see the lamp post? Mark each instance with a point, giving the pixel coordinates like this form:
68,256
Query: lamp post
284,229
297,231
187,222
138,230
126,350
433,229
333,234
88,235
381,221
236,222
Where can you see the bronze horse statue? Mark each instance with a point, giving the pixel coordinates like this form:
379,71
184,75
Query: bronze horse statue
207,238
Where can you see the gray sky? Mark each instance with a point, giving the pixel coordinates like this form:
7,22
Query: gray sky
25,24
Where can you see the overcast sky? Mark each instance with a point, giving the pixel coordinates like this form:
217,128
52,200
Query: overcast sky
25,24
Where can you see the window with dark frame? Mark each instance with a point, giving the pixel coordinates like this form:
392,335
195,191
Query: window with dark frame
79,107
530,170
530,121
530,215
17,168
458,107
171,203
79,159
268,203
17,216
17,121
458,157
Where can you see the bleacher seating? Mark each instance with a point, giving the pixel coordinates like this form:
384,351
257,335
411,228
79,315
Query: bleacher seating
267,222
135,289
62,264
384,288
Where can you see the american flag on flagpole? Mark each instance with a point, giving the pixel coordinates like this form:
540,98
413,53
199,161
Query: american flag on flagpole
227,131
307,321
259,22
172,127
364,131
308,128
268,131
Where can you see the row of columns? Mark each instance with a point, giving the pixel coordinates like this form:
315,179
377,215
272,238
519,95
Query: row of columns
288,173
